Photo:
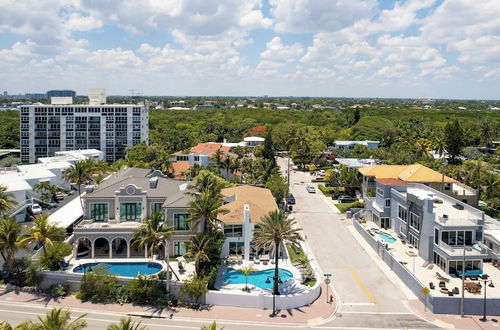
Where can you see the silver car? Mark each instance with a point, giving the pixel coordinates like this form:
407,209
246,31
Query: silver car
311,189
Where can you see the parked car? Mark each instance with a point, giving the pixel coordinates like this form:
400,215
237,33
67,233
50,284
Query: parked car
347,199
60,196
311,189
35,209
321,173
290,199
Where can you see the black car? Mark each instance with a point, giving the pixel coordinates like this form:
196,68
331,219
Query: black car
290,200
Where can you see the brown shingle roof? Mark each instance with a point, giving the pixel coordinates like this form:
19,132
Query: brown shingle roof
259,200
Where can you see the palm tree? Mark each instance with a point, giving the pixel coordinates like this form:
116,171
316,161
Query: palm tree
198,248
205,209
78,174
206,182
246,271
127,324
227,165
212,326
276,230
9,234
46,190
7,200
151,234
59,319
218,158
42,233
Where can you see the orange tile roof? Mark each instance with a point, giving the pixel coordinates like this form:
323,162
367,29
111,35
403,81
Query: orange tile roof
391,182
178,168
408,173
259,200
209,147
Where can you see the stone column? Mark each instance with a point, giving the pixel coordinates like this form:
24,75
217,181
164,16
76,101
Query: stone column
75,248
92,249
128,249
146,251
110,242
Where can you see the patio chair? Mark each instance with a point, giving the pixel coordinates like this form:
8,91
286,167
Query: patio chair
456,291
442,284
431,286
256,261
442,278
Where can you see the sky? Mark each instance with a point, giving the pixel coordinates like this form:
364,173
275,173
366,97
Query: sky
336,48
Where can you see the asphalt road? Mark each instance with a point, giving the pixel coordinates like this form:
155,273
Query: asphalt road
367,297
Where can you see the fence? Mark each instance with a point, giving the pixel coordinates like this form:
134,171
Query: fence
438,305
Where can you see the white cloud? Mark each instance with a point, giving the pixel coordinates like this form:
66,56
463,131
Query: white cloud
277,54
77,22
315,16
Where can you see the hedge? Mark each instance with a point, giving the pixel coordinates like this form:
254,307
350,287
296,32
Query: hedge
347,206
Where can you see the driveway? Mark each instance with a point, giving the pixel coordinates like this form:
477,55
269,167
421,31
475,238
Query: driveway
366,295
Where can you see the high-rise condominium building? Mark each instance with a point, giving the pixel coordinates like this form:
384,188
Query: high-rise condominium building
62,125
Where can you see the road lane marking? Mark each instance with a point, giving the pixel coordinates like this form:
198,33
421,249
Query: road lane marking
361,285
315,321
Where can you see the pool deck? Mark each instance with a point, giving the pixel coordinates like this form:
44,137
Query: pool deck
284,263
188,266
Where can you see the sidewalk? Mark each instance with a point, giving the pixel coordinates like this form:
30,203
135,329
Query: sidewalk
319,311
454,321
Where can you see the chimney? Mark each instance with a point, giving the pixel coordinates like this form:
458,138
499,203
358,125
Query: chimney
153,182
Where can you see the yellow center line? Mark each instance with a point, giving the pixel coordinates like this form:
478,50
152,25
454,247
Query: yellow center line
361,285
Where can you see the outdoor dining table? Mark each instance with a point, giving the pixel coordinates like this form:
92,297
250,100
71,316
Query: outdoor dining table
264,257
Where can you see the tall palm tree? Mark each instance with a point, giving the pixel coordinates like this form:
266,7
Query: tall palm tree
42,233
46,190
10,230
275,230
78,173
127,324
7,200
197,248
218,158
205,209
59,319
151,234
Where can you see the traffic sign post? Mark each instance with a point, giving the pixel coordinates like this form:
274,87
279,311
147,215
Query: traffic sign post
327,282
425,291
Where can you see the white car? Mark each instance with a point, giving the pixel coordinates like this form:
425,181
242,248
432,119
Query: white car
36,209
321,173
311,189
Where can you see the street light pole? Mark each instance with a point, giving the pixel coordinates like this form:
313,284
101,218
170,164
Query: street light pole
485,280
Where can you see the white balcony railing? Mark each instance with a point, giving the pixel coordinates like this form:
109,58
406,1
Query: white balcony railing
453,221
478,249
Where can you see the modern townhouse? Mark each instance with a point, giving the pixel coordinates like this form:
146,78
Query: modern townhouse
245,206
443,230
417,173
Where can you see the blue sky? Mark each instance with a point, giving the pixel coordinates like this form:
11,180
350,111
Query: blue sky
345,48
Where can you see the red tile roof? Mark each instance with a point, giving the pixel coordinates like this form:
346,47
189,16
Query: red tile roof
391,182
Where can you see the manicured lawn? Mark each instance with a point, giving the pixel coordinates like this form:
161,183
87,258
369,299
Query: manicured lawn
294,256
327,191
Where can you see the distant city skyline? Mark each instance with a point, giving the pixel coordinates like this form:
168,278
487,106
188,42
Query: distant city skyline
445,49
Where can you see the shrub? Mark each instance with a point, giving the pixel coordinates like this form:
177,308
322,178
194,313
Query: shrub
99,286
347,206
56,291
53,255
15,270
194,288
145,290
33,277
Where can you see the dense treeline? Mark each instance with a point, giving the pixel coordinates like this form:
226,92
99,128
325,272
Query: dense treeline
9,129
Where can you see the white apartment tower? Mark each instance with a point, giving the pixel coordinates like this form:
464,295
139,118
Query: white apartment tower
110,128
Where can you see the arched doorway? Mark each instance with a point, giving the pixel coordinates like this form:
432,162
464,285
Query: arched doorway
135,250
119,247
83,248
101,248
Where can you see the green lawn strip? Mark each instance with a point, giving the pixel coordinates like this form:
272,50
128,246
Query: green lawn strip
345,207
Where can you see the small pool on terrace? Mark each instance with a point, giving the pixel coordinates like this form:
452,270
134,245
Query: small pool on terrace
233,276
126,269
386,237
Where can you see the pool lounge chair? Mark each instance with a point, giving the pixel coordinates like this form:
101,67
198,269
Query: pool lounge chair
256,261
442,278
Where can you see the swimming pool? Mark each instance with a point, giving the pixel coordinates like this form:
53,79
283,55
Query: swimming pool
126,269
259,278
386,237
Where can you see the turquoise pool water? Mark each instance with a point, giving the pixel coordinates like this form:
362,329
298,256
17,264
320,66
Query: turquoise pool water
126,269
386,237
259,278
